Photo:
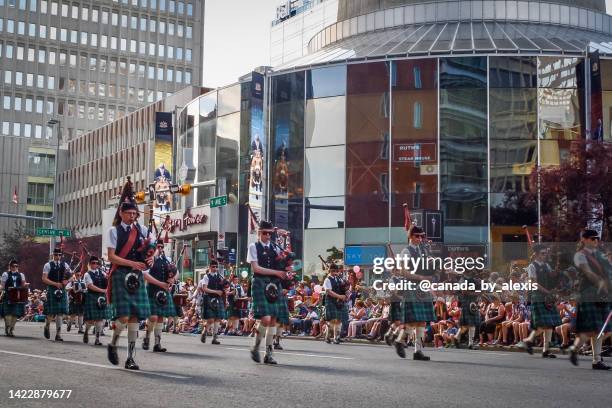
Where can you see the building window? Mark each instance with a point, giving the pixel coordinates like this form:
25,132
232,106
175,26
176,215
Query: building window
40,194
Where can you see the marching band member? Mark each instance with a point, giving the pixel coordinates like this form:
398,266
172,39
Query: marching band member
76,290
544,315
56,274
11,311
262,255
235,298
126,290
95,310
335,303
594,305
396,312
177,289
159,283
213,305
418,305
470,312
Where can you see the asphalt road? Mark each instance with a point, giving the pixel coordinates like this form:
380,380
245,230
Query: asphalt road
309,374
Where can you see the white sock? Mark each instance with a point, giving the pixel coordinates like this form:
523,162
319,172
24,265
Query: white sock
418,340
400,336
58,324
99,328
471,333
547,339
270,332
132,336
157,331
260,334
80,322
596,344
119,327
150,326
87,327
215,328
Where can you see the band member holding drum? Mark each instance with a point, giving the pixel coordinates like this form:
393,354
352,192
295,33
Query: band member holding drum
179,298
235,300
594,302
95,309
126,291
56,275
213,302
265,290
418,305
544,315
335,302
13,285
160,280
76,289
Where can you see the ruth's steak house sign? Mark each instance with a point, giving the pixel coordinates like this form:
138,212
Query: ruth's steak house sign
188,219
414,152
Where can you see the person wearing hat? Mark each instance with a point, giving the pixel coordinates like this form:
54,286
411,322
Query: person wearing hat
161,303
470,312
56,274
265,289
213,302
336,309
544,316
595,298
75,286
235,300
11,311
126,292
95,310
418,305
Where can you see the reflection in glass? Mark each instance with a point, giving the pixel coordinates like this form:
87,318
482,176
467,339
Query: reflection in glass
560,113
512,72
205,159
324,82
463,72
208,106
325,171
317,242
324,212
325,121
229,99
557,72
228,137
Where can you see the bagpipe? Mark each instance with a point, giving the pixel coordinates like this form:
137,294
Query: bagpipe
286,261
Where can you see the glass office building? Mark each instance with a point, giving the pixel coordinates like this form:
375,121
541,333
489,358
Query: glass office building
448,107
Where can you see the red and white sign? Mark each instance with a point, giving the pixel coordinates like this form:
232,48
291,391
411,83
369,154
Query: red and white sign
189,219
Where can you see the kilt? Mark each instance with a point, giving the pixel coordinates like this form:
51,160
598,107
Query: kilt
53,306
167,310
418,307
126,304
396,312
209,313
15,309
332,312
543,317
467,317
261,306
75,309
590,317
283,317
233,310
91,311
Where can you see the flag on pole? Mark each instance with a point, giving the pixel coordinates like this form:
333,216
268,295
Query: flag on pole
15,196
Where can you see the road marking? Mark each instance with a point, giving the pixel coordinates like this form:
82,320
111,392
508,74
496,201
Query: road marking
180,377
295,354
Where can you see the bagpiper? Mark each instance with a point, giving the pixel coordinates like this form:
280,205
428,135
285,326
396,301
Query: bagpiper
130,267
13,286
470,312
265,289
593,307
76,289
56,275
159,281
95,310
213,302
544,314
336,310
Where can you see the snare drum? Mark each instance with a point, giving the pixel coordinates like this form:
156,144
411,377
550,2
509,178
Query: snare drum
180,299
241,304
17,295
77,298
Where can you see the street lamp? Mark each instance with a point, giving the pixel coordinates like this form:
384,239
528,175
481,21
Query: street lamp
54,219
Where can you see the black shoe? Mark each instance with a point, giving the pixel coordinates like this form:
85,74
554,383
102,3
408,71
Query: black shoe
158,349
145,343
69,327
337,341
130,364
473,347
548,354
203,337
389,339
175,332
86,337
600,365
529,347
400,349
81,331
420,356
328,340
268,357
255,355
456,343
573,356
215,341
58,338
47,333
97,343
112,354
277,346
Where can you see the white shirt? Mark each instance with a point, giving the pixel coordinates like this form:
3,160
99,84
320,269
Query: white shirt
112,234
5,277
531,270
47,267
327,284
580,258
252,253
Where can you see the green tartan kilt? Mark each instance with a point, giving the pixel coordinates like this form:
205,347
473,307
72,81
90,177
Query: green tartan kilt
233,311
283,317
75,309
541,316
91,311
418,307
209,312
591,316
125,304
396,312
167,310
332,312
467,317
14,309
261,306
53,306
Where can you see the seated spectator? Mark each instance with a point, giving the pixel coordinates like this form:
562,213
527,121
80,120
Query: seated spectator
511,317
567,311
381,324
296,319
357,318
494,314
311,322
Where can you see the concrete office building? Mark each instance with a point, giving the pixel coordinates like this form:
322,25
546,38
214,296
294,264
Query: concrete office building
83,64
